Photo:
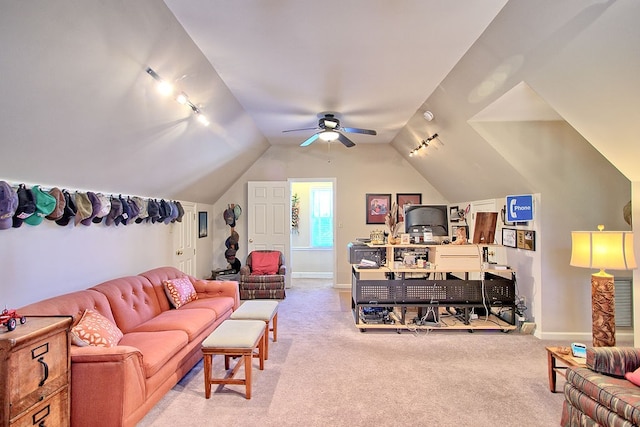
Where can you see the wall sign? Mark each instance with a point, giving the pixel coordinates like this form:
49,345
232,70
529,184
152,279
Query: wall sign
520,208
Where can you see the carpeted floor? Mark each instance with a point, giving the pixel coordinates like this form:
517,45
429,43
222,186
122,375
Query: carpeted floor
325,372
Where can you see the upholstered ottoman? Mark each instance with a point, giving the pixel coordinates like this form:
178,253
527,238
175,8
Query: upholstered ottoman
233,338
265,310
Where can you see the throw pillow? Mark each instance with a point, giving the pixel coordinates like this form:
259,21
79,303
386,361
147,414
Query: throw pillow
264,263
180,291
95,329
634,377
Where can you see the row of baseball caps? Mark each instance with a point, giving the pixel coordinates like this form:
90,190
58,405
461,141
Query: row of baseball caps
33,205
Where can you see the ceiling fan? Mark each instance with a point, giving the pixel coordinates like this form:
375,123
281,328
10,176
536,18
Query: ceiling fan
329,129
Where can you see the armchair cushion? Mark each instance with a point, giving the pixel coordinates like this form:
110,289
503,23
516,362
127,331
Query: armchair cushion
264,263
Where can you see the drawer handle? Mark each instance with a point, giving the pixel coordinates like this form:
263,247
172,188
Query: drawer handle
39,417
46,371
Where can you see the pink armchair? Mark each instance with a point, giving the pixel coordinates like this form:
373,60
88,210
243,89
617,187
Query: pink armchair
263,275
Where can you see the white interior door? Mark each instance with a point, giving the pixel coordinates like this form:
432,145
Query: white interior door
268,218
184,238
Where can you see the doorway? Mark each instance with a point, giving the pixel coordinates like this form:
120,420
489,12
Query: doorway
312,248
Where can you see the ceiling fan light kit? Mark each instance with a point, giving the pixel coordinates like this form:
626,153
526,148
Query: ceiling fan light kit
329,130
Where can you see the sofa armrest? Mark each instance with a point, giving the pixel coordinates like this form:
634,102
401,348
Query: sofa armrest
614,361
107,384
216,288
282,270
245,270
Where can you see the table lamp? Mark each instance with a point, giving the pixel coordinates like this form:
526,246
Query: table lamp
599,250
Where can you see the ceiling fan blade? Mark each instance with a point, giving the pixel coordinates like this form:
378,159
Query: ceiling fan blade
296,130
309,140
358,130
345,141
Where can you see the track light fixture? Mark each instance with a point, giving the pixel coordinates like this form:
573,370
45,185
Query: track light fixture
167,89
423,144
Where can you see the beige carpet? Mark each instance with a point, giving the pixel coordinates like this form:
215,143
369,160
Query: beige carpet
325,372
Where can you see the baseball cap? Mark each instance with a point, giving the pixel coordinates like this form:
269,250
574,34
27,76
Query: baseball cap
164,211
230,253
85,208
229,217
153,210
180,212
105,208
26,206
135,211
8,205
237,210
116,211
60,204
96,206
70,209
142,208
45,204
126,212
173,214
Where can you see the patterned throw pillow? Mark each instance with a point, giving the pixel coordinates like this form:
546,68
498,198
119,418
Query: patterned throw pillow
95,329
180,291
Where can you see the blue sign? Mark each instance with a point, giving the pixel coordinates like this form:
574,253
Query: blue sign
520,208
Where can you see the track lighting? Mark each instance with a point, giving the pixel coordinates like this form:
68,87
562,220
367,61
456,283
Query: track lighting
167,89
423,144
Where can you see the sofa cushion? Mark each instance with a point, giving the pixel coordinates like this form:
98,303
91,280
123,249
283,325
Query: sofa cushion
180,291
157,348
192,321
264,262
219,305
95,329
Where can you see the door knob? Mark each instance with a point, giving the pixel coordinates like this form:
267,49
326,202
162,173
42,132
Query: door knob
178,252
250,240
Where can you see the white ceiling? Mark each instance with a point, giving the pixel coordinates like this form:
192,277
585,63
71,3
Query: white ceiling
372,62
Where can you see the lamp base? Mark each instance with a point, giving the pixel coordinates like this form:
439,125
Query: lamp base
603,326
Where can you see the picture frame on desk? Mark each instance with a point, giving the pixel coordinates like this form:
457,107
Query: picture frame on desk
454,231
405,239
509,237
403,199
377,206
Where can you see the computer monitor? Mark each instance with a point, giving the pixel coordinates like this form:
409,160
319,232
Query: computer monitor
419,219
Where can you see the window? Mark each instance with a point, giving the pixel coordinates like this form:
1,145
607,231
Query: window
321,217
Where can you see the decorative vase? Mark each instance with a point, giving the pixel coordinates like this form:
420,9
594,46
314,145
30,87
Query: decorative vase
391,240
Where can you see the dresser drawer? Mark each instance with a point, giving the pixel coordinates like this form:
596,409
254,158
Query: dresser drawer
37,370
51,412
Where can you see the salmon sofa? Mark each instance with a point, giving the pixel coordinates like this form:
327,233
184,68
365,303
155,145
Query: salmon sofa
117,386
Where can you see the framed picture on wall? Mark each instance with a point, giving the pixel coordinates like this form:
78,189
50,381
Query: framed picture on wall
403,199
509,237
527,240
202,224
377,207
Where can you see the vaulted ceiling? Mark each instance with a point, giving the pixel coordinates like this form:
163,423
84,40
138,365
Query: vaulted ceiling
79,110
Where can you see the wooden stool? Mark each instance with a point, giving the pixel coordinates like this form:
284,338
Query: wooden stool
265,310
233,338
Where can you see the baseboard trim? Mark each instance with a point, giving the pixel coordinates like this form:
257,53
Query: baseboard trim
312,275
584,337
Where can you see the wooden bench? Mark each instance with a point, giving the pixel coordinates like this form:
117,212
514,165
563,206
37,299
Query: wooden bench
234,338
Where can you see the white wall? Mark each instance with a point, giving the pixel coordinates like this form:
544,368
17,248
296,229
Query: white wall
358,170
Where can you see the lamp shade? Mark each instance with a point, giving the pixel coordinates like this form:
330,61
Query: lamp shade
603,250
329,135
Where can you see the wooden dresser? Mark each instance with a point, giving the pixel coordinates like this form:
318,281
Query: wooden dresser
35,373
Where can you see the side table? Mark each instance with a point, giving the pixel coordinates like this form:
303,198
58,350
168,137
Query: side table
563,355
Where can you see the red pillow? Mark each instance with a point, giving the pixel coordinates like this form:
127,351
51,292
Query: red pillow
264,263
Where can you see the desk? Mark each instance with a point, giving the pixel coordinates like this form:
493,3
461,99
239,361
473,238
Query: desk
389,287
562,354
